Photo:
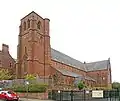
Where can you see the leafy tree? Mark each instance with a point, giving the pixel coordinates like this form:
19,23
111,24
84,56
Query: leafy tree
30,77
5,74
81,85
116,85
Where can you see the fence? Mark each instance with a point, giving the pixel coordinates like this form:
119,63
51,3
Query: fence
10,83
108,95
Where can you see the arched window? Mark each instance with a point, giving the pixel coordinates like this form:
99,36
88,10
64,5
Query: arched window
24,25
38,25
98,77
28,22
25,67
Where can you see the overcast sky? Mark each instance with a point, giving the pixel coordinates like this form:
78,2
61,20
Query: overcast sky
87,30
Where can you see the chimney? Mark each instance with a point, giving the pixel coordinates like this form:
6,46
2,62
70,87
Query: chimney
5,48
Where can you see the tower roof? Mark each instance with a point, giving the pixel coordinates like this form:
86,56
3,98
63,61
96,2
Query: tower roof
30,14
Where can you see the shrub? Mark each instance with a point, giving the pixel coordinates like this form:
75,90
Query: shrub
19,88
30,77
31,88
37,88
81,85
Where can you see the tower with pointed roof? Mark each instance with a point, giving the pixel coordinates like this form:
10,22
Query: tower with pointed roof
33,39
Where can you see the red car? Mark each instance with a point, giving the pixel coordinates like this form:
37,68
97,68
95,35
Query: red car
9,96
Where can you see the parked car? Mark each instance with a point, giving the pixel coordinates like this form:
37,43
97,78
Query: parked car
8,96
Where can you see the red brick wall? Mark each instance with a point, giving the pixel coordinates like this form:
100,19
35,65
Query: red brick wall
37,43
101,76
41,96
56,64
67,79
6,60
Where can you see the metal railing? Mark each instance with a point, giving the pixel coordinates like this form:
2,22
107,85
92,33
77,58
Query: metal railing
108,95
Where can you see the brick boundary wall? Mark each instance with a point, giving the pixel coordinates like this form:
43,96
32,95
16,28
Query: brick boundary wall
41,96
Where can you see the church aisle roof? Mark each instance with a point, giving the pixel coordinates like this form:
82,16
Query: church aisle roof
68,73
89,78
72,74
93,66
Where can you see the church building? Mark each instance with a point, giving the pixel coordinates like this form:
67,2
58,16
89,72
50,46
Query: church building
35,56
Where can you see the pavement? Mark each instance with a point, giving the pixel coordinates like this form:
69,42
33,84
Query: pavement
26,99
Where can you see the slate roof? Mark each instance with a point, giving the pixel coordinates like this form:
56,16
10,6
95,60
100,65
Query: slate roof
68,73
61,57
99,65
89,78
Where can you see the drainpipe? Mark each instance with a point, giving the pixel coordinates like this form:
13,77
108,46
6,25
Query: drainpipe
84,67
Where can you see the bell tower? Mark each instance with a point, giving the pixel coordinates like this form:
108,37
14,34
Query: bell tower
33,48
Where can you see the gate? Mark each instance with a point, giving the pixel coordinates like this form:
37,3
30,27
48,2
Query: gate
108,95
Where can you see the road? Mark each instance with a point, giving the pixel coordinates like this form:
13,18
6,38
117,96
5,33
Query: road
25,99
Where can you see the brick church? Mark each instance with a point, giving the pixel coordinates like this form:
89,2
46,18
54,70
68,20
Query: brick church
35,56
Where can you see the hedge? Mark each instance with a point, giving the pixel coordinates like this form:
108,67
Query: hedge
30,88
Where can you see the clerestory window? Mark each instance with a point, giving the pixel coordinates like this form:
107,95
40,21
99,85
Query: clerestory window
28,22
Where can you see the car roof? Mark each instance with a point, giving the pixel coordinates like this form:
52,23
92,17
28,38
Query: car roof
6,91
3,91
